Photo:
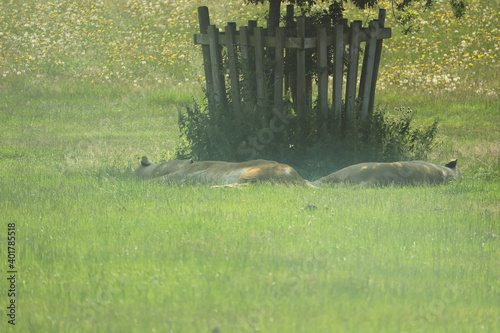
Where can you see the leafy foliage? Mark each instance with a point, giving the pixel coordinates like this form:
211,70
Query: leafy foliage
399,7
458,7
308,142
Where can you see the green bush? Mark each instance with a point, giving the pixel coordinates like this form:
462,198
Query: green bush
307,142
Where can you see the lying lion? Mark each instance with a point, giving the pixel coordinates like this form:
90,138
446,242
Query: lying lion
414,172
221,173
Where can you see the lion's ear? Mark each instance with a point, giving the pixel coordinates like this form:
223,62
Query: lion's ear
452,164
145,161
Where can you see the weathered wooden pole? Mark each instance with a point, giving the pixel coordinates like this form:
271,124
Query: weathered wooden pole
322,49
352,71
367,70
278,69
204,20
376,63
234,74
289,53
301,68
338,72
259,66
217,68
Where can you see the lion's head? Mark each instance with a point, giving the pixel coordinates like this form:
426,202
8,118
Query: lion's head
148,169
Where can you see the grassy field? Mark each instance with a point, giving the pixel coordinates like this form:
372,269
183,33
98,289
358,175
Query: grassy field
86,88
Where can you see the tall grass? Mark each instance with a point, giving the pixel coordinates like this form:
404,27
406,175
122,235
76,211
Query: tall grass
101,251
105,254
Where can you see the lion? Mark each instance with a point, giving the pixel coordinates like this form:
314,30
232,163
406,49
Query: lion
404,173
220,173
150,170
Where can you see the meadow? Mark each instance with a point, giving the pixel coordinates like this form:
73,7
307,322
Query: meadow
87,87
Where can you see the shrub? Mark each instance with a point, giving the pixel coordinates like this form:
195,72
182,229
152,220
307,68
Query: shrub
307,142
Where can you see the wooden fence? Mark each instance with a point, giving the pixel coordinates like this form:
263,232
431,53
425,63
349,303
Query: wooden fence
251,45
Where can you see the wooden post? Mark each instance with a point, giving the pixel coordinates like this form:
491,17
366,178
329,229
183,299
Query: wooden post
301,68
352,70
204,20
322,71
244,45
248,65
367,69
244,41
289,52
216,62
234,75
251,54
376,63
338,71
278,69
259,65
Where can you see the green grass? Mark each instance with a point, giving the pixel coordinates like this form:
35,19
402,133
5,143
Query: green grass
99,250
104,252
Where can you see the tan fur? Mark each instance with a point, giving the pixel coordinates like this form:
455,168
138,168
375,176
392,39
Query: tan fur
221,173
148,170
414,172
